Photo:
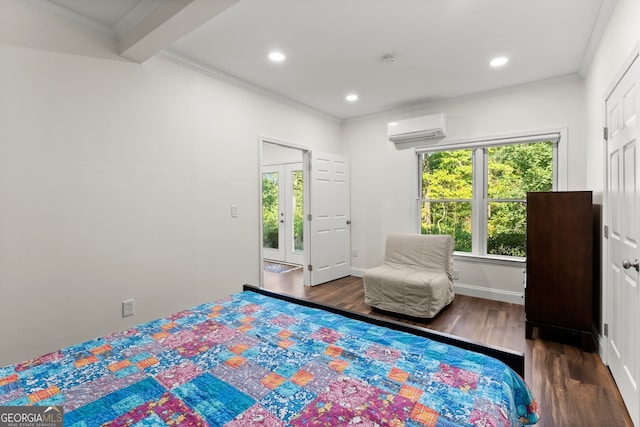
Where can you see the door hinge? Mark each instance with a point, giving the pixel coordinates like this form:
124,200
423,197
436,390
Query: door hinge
310,267
606,329
309,217
605,133
606,231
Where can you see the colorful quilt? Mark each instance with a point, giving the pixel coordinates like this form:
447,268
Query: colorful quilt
252,360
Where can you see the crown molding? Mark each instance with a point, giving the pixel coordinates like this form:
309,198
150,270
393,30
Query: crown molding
73,16
606,9
217,74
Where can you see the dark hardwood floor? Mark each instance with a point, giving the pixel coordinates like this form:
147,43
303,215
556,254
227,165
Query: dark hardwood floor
572,387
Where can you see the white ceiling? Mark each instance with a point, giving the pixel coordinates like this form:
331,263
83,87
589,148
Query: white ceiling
335,47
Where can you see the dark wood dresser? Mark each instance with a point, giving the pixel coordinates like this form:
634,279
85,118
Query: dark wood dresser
559,291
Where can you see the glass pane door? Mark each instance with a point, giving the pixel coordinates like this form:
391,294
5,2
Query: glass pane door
283,213
298,209
271,210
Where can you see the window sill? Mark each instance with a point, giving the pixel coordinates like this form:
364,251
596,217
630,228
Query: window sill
490,259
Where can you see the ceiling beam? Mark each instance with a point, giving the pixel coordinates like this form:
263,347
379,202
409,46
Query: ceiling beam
172,20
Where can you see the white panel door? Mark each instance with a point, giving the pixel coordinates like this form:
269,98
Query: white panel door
624,228
329,229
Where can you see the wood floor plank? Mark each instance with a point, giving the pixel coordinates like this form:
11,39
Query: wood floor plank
572,387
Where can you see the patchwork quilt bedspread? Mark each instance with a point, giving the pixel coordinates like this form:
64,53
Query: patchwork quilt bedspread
252,360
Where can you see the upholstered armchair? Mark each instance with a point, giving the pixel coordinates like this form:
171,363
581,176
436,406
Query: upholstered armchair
416,278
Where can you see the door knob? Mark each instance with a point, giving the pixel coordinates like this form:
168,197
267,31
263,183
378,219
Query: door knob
628,264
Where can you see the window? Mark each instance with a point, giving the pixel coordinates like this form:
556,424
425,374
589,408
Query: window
477,192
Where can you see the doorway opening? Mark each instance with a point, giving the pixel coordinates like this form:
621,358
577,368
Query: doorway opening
283,223
318,240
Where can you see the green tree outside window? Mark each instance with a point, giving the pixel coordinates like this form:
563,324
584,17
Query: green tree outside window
509,171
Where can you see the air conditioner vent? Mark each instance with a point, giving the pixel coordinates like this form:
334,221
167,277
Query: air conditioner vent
418,128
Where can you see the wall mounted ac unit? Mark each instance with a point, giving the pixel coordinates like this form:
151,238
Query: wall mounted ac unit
418,128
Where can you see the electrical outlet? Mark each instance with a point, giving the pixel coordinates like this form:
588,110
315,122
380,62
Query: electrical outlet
128,308
456,274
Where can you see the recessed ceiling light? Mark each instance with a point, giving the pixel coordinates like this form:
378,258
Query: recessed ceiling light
499,62
276,56
352,97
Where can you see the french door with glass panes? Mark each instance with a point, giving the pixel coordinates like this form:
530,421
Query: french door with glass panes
283,213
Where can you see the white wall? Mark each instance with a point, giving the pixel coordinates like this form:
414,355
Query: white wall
117,180
277,154
620,38
385,178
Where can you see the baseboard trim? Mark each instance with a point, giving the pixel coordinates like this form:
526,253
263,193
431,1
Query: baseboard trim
472,290
357,272
489,293
603,351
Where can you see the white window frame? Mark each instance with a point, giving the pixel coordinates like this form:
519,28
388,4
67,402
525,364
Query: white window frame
478,145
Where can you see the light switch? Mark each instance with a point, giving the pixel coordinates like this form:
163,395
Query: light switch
234,211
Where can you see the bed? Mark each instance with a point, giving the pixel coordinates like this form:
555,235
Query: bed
262,359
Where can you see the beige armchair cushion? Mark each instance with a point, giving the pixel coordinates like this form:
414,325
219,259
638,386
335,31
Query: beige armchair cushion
416,278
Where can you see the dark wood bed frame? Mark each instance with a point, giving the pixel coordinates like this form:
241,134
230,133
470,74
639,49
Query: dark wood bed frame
513,359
